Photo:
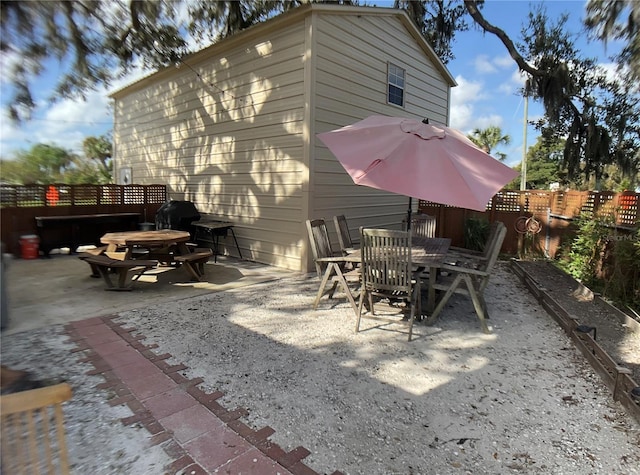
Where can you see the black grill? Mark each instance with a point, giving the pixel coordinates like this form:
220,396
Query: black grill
177,215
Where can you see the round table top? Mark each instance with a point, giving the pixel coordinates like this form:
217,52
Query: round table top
161,237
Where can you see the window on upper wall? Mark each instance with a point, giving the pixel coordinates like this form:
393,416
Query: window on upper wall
395,85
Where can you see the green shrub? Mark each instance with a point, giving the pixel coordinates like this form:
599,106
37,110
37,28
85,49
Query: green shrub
604,259
621,273
476,232
585,254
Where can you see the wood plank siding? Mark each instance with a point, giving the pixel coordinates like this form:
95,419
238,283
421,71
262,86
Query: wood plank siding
226,133
233,128
351,84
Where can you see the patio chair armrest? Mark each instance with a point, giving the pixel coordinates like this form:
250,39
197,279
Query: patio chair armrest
334,259
462,270
466,252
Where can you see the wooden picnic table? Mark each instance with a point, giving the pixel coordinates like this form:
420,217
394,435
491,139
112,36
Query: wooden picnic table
131,240
164,245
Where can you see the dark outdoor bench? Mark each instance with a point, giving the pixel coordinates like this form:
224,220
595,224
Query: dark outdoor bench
72,231
105,266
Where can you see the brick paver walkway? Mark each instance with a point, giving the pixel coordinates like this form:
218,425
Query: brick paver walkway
194,429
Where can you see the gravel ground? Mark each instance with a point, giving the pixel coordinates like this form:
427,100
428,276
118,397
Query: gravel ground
621,341
453,401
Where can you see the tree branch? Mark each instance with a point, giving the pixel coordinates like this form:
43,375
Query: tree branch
474,11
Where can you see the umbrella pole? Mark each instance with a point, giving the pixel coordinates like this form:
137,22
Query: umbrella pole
409,216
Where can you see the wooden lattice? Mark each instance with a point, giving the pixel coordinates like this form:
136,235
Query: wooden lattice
538,202
133,194
111,195
628,204
588,204
58,194
156,194
606,204
507,201
86,195
623,208
568,203
8,196
30,195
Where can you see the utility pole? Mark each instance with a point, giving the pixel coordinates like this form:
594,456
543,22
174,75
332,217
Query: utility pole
523,166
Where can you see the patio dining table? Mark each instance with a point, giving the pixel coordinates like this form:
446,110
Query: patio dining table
425,253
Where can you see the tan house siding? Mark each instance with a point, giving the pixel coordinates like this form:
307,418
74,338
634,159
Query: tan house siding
233,129
351,84
227,134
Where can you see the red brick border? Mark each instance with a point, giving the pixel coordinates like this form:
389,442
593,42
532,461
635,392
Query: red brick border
292,460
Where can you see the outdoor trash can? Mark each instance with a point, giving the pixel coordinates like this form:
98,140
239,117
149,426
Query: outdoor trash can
29,246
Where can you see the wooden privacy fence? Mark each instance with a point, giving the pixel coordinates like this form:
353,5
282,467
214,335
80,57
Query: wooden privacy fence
552,213
20,204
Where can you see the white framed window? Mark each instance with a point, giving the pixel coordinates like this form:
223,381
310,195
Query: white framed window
395,85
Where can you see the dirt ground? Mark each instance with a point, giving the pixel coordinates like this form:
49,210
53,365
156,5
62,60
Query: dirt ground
452,401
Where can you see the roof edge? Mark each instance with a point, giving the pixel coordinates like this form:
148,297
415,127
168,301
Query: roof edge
280,21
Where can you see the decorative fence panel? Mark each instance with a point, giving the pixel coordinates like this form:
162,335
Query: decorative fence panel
20,204
551,213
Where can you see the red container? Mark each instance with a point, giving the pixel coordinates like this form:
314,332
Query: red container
29,245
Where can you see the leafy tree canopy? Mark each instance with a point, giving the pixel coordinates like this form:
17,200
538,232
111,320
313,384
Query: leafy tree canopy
41,164
45,164
98,153
618,20
544,165
97,41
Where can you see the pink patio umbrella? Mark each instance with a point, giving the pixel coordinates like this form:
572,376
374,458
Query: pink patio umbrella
417,159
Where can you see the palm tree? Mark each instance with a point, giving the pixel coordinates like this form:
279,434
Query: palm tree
489,138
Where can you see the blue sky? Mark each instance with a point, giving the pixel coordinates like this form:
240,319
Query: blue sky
488,81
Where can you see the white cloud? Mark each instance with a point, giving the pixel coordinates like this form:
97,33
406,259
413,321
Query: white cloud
614,74
467,91
484,121
461,116
483,65
10,134
7,62
465,113
65,124
504,61
513,83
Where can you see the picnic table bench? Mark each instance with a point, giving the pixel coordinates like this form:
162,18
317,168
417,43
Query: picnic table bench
194,261
106,265
98,251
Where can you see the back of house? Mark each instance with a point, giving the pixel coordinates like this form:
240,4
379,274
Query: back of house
232,127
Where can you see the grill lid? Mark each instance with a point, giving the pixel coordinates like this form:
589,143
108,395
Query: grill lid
177,215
